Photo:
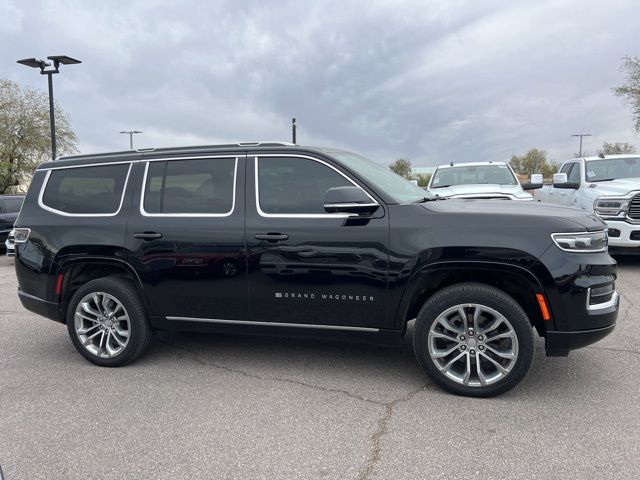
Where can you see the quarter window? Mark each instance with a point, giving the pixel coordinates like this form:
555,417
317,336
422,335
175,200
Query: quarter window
86,190
190,187
295,185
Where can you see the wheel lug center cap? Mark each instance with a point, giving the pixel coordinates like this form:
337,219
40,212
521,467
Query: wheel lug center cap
472,342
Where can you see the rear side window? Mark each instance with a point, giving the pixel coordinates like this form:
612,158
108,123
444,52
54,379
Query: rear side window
190,187
10,205
86,190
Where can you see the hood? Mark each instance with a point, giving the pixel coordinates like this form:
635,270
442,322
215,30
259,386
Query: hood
482,191
619,187
518,215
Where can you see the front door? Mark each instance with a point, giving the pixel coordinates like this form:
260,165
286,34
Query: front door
306,266
185,237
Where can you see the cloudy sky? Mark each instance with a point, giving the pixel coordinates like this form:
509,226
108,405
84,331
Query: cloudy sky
435,81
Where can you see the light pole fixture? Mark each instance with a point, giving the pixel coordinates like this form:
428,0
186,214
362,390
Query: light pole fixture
42,65
131,133
294,128
581,135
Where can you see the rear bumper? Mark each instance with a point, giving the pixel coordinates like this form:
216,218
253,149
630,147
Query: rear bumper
558,344
42,307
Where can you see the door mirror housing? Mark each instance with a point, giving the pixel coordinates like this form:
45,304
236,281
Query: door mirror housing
351,200
535,182
560,181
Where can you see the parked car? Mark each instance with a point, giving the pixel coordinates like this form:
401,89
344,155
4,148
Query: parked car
480,180
607,186
10,245
318,241
9,208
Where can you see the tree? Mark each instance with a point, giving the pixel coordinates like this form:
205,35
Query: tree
617,148
630,91
402,166
25,136
423,180
534,161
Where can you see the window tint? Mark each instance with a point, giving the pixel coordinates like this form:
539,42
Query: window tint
10,205
86,190
295,185
574,175
190,186
566,167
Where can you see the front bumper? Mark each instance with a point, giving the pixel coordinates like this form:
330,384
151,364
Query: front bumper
558,344
623,234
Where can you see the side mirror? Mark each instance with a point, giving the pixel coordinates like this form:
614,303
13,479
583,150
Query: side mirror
535,182
352,200
560,181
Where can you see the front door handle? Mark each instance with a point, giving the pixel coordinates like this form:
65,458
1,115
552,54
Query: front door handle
272,237
147,235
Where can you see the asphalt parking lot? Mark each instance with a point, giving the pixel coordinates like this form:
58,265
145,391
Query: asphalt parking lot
218,406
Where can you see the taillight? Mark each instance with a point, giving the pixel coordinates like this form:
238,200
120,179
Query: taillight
21,235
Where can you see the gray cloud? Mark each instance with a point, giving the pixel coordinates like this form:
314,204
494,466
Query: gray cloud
435,81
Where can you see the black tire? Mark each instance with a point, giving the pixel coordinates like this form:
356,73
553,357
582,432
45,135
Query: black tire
139,331
482,295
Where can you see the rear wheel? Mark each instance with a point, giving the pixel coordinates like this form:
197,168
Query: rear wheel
474,340
107,322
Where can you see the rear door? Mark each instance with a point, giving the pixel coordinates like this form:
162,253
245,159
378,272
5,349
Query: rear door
185,236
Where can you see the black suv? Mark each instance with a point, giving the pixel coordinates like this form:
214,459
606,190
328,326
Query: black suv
270,237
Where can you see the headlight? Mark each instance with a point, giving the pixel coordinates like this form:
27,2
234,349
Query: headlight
610,206
581,242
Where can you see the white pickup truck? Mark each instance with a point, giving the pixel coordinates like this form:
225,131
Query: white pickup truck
607,186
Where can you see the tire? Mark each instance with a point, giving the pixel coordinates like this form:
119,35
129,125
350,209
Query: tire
108,341
500,332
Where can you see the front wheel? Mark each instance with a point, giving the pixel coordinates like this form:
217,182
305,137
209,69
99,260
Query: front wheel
474,340
107,322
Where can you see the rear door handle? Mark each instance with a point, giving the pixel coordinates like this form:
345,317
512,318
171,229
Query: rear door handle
272,237
147,235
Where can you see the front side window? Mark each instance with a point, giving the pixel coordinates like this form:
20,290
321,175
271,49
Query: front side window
574,175
289,185
86,190
200,187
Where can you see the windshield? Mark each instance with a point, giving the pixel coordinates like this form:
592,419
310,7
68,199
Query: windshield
473,175
612,168
395,186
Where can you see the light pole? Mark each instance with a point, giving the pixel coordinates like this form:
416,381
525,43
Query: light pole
581,135
42,65
294,127
131,133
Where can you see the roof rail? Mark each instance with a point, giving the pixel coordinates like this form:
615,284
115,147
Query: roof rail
265,144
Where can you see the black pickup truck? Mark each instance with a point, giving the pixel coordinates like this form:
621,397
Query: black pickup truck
274,237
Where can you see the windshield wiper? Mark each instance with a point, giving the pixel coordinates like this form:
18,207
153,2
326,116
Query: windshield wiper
603,180
442,186
432,199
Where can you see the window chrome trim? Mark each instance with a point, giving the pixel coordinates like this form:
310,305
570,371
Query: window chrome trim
300,215
273,324
46,168
67,214
143,192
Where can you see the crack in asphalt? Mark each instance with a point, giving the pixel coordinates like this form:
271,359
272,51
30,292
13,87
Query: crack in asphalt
383,424
610,349
202,361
